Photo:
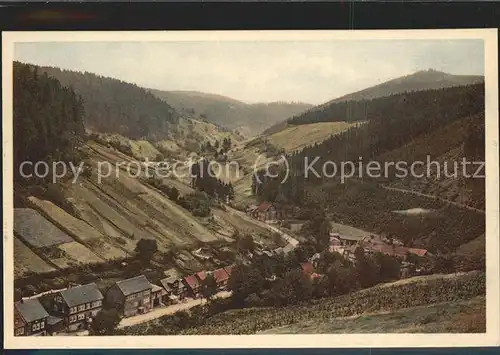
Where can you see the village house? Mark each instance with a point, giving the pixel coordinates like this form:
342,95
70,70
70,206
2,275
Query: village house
221,278
30,318
133,296
157,294
193,285
195,282
77,306
175,289
266,212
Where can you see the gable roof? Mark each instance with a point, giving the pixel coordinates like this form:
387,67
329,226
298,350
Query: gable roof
228,270
348,237
134,285
166,284
77,295
172,275
31,310
220,275
192,281
155,288
201,275
419,252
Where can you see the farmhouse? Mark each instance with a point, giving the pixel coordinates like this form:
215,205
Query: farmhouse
30,318
193,285
221,278
174,288
266,211
132,296
77,305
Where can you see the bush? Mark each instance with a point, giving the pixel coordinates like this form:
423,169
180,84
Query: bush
198,203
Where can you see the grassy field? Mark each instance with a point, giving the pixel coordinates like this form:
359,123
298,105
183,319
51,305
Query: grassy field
449,317
297,137
348,230
415,292
25,260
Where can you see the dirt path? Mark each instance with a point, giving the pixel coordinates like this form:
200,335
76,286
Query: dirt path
159,312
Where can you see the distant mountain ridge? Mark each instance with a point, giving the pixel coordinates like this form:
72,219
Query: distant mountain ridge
249,119
421,80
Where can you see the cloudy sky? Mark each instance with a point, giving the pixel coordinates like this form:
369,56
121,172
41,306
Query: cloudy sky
312,72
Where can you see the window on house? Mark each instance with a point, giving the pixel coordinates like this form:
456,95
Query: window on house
73,309
19,331
81,316
72,318
36,327
81,308
42,325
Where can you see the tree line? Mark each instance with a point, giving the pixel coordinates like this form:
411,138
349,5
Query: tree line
115,106
48,118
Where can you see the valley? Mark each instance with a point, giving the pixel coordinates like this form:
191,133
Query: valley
269,253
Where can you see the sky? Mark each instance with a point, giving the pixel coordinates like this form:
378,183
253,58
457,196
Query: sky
265,71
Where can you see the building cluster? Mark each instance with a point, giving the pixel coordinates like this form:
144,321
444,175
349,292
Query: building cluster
74,308
263,212
347,245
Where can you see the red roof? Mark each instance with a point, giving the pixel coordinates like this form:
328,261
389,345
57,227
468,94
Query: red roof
307,267
201,275
264,206
388,249
419,252
229,270
220,275
192,281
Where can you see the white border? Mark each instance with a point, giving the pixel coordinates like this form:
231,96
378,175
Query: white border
492,335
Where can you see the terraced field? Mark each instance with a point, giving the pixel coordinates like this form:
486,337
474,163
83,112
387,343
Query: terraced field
105,219
25,260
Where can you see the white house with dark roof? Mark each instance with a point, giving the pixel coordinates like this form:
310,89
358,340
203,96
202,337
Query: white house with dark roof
78,305
133,296
30,318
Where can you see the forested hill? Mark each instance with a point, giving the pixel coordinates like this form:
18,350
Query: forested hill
48,117
349,108
419,103
114,106
249,119
444,124
421,80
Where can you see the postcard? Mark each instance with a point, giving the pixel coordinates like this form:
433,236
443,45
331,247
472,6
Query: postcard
229,189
